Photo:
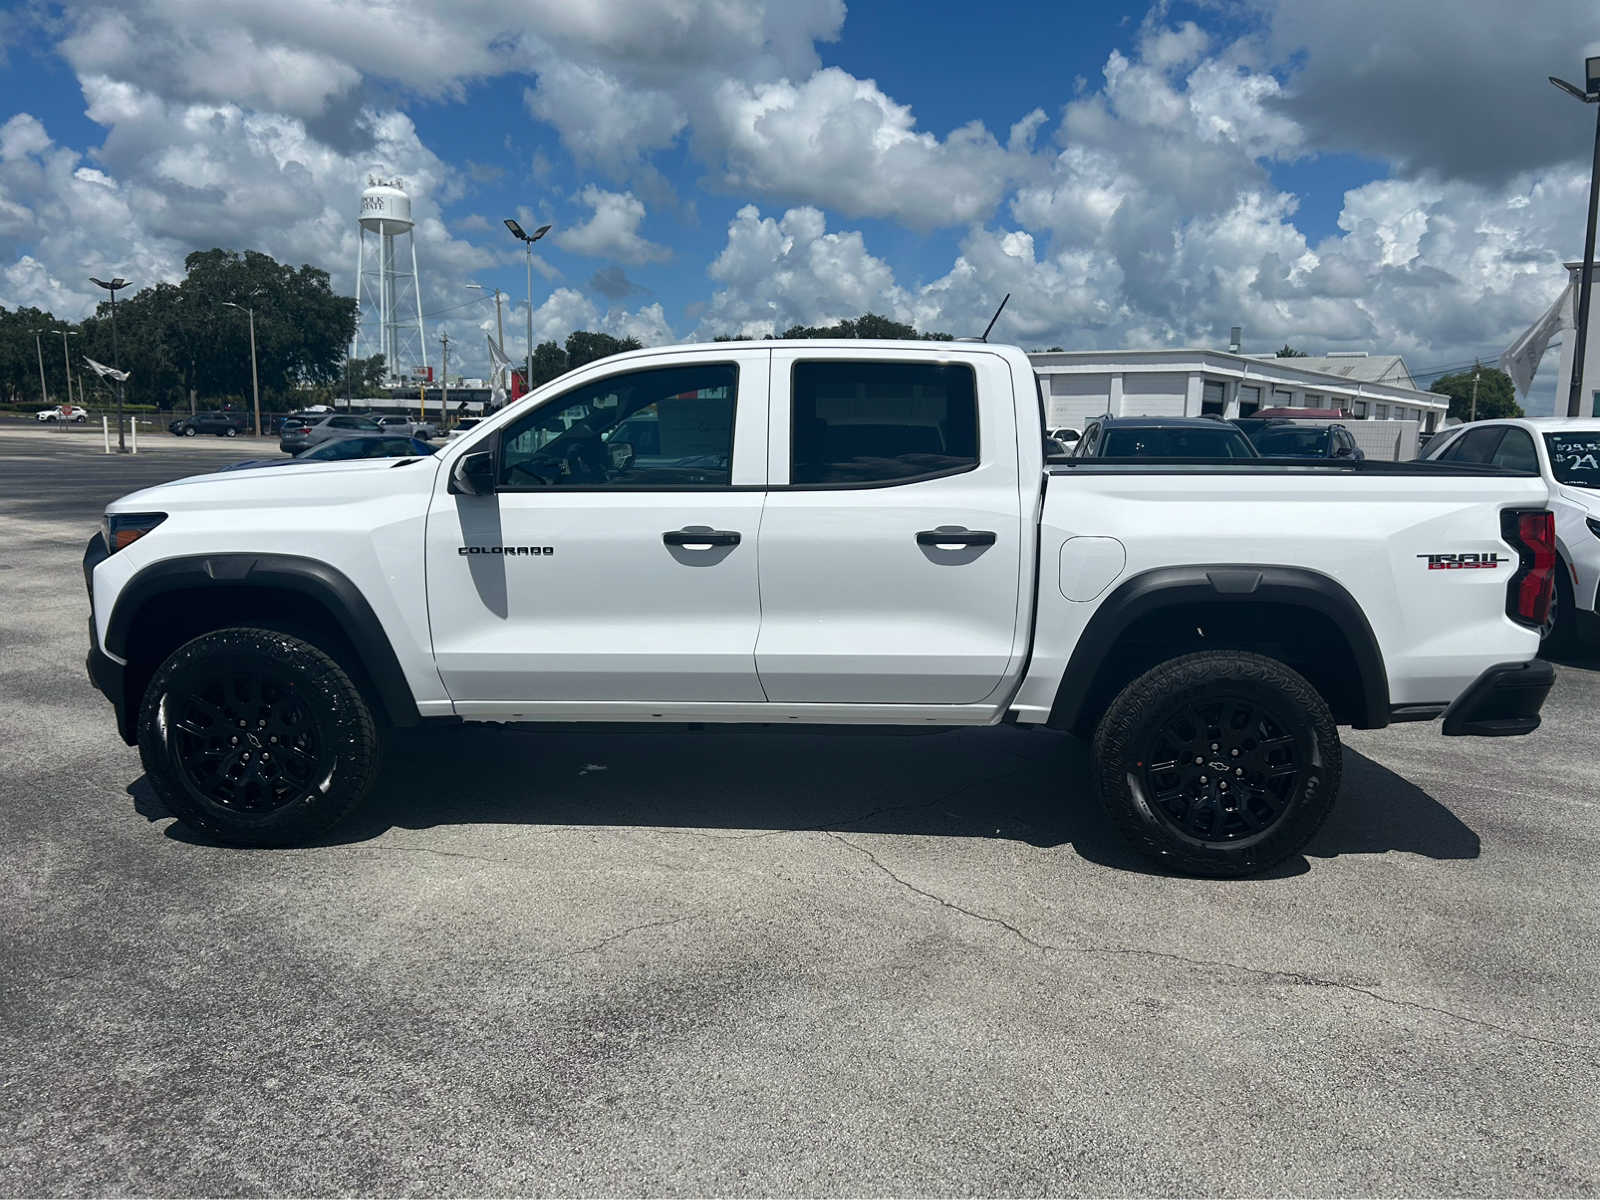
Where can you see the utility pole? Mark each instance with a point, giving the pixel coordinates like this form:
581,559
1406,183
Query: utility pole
113,285
444,382
1473,416
44,392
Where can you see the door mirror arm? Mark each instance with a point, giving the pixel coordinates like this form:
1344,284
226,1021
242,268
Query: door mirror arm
474,474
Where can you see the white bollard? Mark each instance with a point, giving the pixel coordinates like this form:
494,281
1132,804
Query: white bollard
105,431
134,445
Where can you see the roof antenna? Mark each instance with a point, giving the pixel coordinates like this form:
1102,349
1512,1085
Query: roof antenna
995,318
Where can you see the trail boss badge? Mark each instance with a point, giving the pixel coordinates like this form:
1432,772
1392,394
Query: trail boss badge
1463,562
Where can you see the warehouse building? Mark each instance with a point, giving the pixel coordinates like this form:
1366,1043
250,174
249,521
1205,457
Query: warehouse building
1080,384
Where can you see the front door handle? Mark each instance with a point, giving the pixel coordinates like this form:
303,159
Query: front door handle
951,537
700,539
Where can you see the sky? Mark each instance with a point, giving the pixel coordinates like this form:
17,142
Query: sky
1386,175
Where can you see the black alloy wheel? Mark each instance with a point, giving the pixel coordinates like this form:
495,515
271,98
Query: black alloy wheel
1219,762
257,737
244,739
1222,768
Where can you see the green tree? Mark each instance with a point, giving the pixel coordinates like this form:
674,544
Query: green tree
549,362
584,347
1497,395
1289,351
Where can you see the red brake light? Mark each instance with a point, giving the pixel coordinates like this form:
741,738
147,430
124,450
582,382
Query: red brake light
1532,586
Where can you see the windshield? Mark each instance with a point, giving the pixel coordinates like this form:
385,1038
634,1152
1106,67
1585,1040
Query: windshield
1278,442
1177,442
1575,458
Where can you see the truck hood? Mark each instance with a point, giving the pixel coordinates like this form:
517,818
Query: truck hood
308,484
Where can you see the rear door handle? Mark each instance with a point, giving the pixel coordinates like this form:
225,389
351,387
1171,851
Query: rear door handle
700,539
954,536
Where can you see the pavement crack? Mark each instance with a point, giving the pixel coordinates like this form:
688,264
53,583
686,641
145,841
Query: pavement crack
609,939
1294,977
937,899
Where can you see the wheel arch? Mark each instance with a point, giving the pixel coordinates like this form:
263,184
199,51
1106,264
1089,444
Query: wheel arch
1299,616
150,618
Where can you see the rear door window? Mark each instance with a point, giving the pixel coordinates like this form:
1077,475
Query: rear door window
1516,452
874,423
1475,446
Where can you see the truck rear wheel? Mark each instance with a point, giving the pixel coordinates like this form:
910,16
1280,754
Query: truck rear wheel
256,737
1220,763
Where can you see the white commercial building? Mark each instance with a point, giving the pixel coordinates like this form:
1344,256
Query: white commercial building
1079,384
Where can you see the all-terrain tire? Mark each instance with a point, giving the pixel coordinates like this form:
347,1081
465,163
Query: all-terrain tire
1220,763
1564,637
256,737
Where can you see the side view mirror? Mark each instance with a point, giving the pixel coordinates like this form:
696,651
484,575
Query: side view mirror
473,475
621,455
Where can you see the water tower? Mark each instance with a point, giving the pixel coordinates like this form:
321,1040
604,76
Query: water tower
386,292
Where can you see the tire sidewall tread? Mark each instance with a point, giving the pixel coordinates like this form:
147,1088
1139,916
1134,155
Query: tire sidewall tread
327,689
1191,676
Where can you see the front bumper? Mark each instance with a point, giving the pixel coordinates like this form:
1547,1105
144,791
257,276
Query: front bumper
1502,702
109,676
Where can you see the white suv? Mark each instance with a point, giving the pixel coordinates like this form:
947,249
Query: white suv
1566,452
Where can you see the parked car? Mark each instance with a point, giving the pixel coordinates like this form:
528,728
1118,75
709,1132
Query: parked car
350,446
465,426
874,539
305,432
1067,437
1276,437
1566,452
1162,437
222,424
391,423
69,413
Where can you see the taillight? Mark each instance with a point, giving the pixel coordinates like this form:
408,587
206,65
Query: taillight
1532,587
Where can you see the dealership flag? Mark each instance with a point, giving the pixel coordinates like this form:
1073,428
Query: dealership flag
1521,358
104,371
499,374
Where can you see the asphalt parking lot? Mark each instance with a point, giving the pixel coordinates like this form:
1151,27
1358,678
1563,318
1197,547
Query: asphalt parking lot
741,962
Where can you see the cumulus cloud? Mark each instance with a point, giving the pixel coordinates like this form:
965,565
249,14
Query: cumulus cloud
1458,91
612,231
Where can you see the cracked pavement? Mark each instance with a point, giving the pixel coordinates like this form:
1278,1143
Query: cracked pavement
748,962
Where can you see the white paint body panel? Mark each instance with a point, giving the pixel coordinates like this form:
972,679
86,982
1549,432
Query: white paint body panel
828,611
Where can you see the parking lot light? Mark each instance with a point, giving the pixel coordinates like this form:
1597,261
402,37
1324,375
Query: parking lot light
113,285
1588,94
527,240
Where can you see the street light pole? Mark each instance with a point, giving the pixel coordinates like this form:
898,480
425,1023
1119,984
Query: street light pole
527,240
44,392
1589,94
112,286
255,385
66,358
499,321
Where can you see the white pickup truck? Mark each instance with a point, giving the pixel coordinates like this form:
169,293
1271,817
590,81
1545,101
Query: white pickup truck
823,532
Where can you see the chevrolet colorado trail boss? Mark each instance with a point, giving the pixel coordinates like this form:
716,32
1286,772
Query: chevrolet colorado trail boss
819,532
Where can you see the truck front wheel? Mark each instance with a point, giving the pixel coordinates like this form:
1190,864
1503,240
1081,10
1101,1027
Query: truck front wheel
256,737
1221,763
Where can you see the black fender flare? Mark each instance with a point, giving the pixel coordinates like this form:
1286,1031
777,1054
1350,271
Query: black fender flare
308,577
1220,584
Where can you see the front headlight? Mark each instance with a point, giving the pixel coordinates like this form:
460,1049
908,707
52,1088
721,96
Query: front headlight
123,529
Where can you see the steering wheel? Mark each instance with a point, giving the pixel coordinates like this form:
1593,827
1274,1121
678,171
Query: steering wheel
543,472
